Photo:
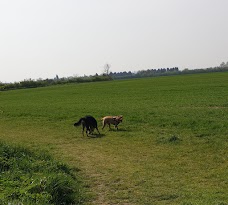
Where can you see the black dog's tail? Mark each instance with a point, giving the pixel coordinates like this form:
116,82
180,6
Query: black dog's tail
79,122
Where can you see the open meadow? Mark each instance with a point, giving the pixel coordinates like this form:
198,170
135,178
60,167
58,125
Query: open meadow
172,147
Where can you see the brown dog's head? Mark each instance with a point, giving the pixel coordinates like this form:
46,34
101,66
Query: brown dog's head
118,118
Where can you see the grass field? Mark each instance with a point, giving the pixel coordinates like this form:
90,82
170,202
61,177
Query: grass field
170,149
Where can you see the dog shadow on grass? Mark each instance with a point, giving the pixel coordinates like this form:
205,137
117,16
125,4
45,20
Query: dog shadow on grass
119,130
96,136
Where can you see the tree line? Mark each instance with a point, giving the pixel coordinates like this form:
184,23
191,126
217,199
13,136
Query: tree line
166,71
29,83
145,73
106,76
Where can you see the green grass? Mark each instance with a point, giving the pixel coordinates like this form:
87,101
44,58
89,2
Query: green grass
170,149
35,178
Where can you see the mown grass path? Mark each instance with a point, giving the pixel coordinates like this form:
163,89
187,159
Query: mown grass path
170,149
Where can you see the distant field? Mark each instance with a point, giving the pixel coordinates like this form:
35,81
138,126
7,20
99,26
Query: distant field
170,149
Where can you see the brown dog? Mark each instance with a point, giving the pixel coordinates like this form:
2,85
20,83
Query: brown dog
114,120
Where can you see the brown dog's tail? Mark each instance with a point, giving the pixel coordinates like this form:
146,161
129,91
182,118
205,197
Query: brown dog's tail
79,122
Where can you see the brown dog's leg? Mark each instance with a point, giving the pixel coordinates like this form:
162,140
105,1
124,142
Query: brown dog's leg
103,125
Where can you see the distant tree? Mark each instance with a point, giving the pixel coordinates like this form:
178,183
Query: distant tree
223,64
107,69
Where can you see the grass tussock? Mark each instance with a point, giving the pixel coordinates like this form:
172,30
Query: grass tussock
35,178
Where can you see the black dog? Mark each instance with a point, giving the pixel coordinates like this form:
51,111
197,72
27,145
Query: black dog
89,123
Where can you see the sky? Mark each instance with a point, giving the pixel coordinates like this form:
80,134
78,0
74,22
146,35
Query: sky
45,38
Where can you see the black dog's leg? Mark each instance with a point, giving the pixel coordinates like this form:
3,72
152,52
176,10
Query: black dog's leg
97,130
83,129
91,130
88,130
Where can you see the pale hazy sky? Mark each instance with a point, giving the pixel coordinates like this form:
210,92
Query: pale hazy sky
42,38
